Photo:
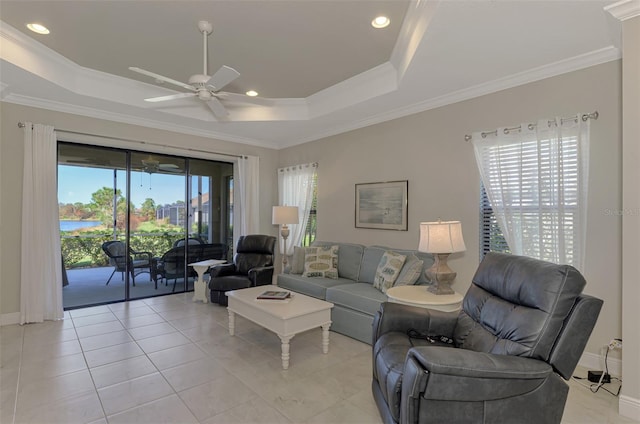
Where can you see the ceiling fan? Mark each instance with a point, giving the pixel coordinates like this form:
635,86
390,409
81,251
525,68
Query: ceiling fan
151,166
206,88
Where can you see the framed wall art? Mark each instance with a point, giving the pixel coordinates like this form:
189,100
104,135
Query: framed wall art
382,206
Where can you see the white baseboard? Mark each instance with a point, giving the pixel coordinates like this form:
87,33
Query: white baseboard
10,319
629,407
592,361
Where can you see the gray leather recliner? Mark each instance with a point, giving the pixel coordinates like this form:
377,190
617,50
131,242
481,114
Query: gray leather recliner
523,326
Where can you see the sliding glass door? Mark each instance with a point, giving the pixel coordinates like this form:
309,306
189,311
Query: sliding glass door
131,222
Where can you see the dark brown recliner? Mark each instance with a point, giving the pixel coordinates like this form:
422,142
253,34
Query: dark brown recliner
253,266
522,329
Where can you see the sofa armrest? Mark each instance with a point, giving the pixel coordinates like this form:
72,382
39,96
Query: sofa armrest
402,318
261,276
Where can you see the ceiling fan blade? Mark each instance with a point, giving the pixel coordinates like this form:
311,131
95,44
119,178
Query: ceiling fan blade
217,108
222,77
168,166
170,97
242,98
162,78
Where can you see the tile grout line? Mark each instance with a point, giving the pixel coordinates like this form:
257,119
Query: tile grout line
95,389
153,364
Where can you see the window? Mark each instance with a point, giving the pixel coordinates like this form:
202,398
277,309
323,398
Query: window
491,238
297,187
535,180
310,230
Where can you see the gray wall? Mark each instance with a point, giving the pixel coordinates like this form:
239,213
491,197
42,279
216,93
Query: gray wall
429,150
11,157
630,396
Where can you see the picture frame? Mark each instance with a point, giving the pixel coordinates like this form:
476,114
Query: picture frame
382,206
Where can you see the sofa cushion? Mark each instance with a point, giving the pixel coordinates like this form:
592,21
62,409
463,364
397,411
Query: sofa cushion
349,258
370,260
388,270
315,287
361,297
410,272
321,261
426,258
297,260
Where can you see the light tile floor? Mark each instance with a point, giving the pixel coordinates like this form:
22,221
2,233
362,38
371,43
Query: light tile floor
169,360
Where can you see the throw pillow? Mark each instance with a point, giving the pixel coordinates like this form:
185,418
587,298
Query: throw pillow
410,272
321,261
297,261
388,270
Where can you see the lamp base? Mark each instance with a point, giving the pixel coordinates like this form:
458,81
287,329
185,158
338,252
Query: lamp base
284,232
440,275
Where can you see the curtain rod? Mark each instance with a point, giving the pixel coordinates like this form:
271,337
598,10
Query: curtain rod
22,125
304,165
585,117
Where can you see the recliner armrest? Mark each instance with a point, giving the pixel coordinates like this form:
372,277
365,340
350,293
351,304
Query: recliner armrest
402,318
222,270
469,363
446,373
261,276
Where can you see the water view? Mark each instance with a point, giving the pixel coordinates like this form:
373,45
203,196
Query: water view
71,225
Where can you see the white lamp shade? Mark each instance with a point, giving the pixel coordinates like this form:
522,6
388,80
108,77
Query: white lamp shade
441,237
285,215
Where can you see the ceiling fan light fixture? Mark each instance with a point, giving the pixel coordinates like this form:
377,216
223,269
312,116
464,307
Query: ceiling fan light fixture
380,22
38,28
251,93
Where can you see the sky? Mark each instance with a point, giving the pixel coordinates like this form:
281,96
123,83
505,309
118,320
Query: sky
76,184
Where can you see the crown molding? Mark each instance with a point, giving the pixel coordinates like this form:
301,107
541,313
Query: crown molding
374,82
133,120
625,9
415,24
576,63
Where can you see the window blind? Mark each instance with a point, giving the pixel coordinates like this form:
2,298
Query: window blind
491,238
534,190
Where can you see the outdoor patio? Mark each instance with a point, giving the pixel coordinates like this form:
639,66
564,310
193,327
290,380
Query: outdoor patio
87,286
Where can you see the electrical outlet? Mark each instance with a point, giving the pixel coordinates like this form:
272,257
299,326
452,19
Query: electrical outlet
615,344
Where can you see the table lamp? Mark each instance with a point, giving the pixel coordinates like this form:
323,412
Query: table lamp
441,238
284,215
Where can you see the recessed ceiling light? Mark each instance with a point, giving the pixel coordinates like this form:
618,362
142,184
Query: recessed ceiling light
380,22
38,28
251,93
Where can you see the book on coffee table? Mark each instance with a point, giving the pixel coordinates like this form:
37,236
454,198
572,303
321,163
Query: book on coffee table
274,295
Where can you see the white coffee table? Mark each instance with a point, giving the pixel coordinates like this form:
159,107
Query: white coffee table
200,286
419,296
285,318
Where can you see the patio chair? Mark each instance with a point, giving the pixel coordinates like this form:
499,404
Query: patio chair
212,251
117,253
191,241
172,264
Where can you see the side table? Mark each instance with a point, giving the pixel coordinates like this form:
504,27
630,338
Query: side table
419,296
200,287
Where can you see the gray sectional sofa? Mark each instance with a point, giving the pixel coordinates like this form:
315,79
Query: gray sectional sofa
355,299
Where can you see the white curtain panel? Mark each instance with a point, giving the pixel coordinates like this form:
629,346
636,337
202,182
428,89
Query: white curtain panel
295,188
41,263
536,180
246,198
